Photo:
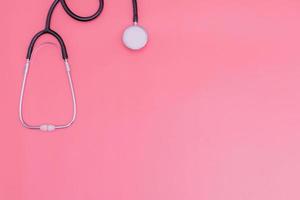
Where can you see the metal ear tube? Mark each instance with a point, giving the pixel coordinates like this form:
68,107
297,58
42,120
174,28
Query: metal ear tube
46,127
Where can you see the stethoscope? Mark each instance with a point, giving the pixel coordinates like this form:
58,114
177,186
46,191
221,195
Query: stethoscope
134,37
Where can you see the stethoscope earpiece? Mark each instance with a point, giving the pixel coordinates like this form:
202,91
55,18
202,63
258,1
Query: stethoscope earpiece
135,37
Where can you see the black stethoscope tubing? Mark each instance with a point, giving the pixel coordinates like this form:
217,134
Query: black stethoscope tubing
48,30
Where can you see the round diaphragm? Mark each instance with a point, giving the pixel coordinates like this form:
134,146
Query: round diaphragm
135,37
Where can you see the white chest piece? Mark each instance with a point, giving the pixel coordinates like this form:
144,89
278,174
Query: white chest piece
135,37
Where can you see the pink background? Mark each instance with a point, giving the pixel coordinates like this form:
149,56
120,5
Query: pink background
208,110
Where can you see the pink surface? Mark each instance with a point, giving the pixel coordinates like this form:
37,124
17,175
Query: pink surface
208,110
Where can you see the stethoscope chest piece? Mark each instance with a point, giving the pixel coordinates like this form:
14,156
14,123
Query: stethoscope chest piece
135,37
